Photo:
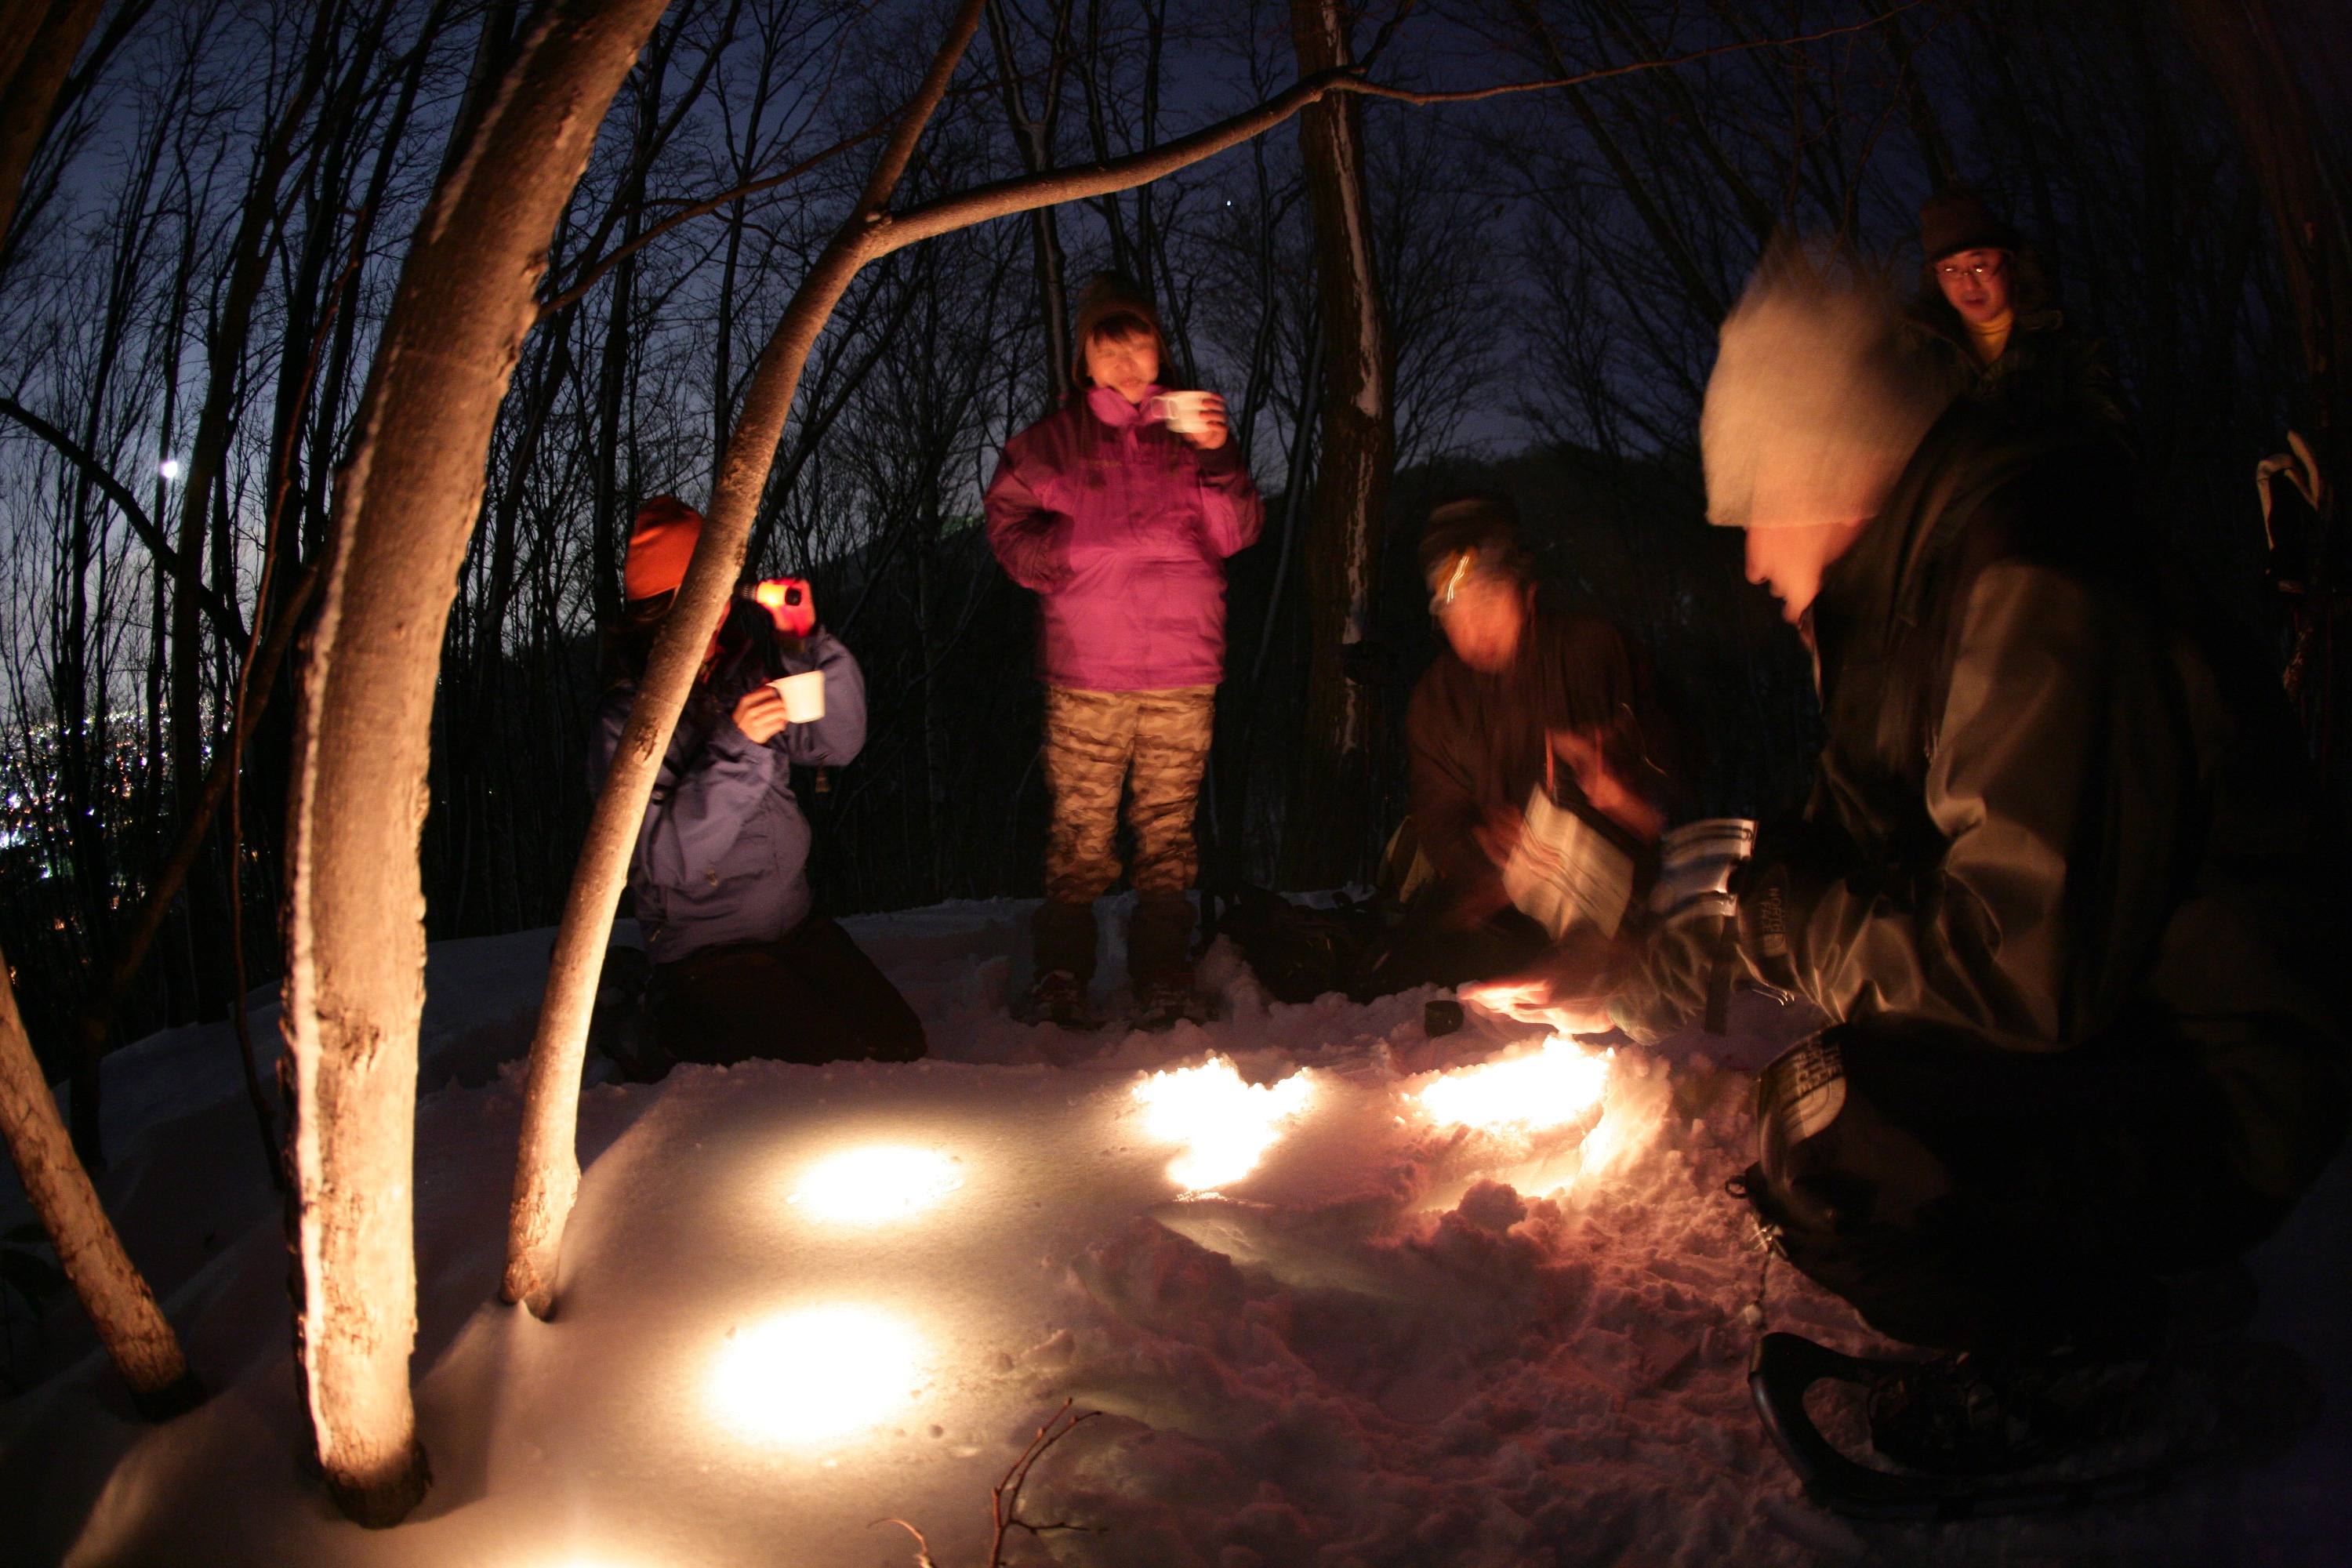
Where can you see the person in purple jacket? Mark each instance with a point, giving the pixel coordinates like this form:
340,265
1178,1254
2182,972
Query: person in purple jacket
742,966
1122,528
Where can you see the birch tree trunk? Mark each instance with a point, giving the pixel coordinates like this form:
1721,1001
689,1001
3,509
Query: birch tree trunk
547,1167
1328,825
547,1170
404,508
130,1325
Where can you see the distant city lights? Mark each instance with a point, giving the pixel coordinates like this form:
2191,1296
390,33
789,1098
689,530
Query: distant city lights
1228,1124
1556,1086
816,1373
875,1184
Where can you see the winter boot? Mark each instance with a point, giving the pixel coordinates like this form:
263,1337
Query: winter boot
1982,1413
1057,997
1160,962
1063,936
622,1026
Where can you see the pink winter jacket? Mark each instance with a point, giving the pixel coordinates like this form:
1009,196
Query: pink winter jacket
1122,530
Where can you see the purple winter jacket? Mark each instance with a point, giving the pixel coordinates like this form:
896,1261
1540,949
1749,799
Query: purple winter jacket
1122,530
723,855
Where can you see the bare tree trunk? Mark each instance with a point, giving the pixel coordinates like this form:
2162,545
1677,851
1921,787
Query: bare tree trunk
1328,825
130,1325
38,44
1033,137
547,1170
405,505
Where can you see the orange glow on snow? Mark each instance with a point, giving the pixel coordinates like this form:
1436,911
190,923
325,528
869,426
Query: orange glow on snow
1550,1088
875,1184
816,1373
1226,1124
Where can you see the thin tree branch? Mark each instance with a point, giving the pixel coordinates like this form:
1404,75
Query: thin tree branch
219,611
887,232
596,270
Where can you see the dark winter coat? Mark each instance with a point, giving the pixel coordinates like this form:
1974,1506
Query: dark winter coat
2056,806
1476,744
723,854
1121,529
2045,370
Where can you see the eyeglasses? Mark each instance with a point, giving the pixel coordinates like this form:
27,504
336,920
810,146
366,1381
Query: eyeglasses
1954,272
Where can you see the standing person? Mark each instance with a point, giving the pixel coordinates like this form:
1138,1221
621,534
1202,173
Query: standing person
1985,317
1522,696
741,964
2060,893
1122,524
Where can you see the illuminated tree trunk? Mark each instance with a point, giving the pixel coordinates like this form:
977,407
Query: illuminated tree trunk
38,41
130,1325
547,1170
1328,827
405,509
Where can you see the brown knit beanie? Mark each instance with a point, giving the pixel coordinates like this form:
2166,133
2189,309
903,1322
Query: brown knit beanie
1108,295
1477,536
1958,220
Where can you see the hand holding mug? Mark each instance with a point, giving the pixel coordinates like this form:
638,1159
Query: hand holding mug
760,714
1198,417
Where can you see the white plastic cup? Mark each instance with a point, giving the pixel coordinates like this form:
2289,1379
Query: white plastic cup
1184,412
803,696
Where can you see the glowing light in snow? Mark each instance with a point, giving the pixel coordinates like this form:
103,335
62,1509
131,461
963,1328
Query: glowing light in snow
1228,1123
819,1373
168,470
875,1185
1555,1086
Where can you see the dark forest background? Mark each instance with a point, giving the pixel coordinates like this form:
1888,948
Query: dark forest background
208,241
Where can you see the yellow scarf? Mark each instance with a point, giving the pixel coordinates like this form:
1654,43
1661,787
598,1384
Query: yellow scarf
1992,337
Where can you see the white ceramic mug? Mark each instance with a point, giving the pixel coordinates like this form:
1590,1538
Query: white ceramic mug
803,696
1184,412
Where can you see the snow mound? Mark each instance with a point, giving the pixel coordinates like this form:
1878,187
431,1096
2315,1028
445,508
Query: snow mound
1341,1294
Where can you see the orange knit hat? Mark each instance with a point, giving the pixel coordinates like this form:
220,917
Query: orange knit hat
659,548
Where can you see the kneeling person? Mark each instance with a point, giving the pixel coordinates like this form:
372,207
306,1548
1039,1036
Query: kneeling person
742,966
1523,697
2058,892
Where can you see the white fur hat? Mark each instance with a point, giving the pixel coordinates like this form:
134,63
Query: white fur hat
1816,404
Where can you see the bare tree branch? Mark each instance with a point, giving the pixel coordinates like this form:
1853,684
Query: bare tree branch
1001,198
219,611
595,270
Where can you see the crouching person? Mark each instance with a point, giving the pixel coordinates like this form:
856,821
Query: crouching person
742,967
2059,893
1522,698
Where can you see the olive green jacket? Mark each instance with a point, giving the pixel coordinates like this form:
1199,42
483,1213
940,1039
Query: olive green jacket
2052,805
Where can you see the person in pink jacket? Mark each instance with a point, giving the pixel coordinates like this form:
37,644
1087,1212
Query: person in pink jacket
1121,526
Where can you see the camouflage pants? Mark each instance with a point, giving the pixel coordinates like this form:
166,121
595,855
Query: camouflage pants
1153,745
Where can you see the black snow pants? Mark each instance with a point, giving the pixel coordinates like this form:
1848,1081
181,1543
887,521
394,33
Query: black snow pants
811,995
1966,1197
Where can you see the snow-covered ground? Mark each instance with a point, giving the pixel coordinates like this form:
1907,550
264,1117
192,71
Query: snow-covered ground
1396,1340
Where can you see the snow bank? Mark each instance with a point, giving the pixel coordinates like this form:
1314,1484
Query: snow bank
1396,1339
